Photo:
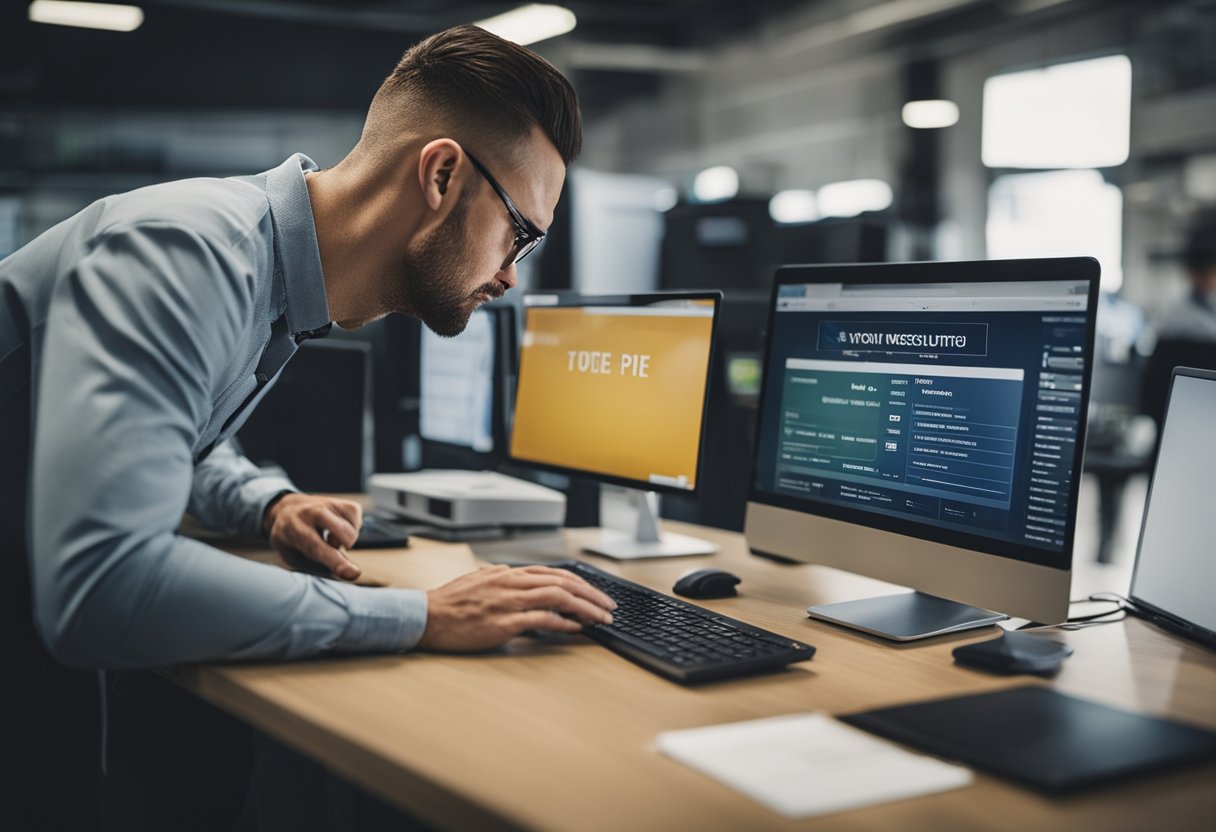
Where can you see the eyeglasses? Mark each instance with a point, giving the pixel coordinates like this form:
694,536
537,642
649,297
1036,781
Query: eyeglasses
527,235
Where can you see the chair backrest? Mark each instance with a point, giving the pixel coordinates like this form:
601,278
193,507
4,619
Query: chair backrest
1168,354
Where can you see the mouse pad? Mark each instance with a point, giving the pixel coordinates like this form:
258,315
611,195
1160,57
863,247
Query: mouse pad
1041,738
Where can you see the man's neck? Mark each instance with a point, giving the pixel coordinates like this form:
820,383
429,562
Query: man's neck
355,218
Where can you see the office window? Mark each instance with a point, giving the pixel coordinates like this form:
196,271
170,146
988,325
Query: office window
1058,213
1070,115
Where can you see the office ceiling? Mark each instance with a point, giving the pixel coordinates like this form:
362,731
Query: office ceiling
275,55
322,54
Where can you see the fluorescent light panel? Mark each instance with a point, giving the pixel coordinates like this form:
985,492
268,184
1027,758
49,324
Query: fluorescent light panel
930,113
531,23
109,16
856,196
716,184
793,206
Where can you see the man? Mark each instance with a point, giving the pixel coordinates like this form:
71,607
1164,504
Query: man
1185,330
136,336
1194,316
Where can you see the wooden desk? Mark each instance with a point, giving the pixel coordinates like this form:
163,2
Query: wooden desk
557,735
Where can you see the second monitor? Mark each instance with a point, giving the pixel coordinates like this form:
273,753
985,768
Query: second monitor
615,388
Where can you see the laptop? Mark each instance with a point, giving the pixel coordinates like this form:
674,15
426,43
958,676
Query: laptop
1175,574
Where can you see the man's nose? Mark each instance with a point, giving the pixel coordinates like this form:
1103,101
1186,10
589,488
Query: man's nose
508,276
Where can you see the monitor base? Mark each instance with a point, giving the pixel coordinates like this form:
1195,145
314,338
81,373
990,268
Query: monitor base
625,546
646,540
905,617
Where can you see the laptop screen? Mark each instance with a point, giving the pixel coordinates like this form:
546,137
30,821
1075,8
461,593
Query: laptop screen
1175,569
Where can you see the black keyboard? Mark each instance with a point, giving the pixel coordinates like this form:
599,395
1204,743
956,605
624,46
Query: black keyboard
679,640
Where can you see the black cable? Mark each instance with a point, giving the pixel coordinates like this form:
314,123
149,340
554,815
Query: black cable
1080,622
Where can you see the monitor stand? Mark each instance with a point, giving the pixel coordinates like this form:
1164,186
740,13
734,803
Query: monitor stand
905,617
646,540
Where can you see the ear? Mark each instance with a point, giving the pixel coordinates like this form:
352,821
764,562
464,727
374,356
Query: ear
436,164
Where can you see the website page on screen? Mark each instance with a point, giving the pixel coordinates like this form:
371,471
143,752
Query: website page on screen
955,405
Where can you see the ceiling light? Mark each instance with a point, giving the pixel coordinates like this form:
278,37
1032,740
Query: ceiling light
716,184
930,113
531,23
848,199
795,206
87,15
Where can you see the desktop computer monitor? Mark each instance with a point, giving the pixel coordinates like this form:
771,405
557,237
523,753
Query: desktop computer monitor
615,388
321,448
923,423
464,386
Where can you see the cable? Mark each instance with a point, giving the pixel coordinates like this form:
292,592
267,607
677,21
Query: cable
1079,622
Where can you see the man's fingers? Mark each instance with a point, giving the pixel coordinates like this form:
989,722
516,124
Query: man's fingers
571,583
350,512
341,532
311,543
522,622
558,599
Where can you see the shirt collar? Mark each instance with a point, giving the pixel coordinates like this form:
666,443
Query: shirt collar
295,238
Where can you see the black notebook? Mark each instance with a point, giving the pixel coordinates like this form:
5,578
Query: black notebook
1040,737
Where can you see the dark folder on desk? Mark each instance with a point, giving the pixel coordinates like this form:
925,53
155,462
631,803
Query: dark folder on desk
1041,738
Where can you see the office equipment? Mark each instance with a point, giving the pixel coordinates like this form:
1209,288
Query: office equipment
923,423
1041,738
614,388
316,422
464,389
1175,576
806,765
382,533
1014,652
531,736
459,499
1169,353
681,641
706,583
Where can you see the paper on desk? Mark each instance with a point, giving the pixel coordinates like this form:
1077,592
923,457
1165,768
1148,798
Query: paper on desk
804,765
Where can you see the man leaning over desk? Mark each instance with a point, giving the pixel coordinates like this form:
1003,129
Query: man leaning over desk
136,337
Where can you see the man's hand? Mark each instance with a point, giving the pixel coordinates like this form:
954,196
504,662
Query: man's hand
320,528
484,609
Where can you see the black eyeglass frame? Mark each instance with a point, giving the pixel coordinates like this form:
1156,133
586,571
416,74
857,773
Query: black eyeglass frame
527,235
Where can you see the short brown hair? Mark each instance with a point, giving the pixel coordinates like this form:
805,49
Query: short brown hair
483,86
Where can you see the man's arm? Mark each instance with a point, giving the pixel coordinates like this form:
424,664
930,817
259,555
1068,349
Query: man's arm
230,494
136,335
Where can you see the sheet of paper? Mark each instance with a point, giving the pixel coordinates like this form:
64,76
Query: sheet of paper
802,765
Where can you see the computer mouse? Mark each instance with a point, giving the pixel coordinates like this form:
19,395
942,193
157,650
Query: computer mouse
1014,653
706,583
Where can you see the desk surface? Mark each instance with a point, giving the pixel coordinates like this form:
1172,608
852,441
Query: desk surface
557,734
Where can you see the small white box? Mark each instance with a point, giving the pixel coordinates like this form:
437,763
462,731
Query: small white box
463,499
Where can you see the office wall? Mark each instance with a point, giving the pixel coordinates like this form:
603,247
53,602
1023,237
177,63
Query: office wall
783,109
804,103
72,157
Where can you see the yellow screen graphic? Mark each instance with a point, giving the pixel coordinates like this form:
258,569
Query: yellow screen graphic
614,390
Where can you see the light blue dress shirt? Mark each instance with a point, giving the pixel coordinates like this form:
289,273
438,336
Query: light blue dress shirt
131,336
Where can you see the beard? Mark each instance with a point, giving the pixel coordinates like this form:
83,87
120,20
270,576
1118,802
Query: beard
435,266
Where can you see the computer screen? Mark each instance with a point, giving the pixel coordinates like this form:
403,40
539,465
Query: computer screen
1175,571
948,409
615,387
322,448
456,385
